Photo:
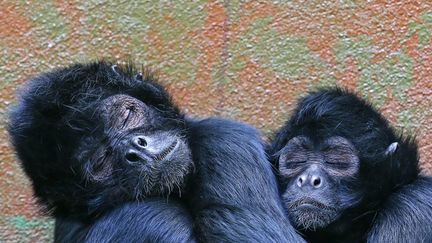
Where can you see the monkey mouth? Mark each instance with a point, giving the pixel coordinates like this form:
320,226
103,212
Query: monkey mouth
310,203
167,151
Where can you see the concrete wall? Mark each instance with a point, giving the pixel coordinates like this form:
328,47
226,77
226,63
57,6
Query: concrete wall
249,60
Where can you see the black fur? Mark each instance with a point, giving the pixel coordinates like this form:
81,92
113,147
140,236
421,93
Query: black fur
232,196
406,215
57,127
383,180
154,220
234,192
56,114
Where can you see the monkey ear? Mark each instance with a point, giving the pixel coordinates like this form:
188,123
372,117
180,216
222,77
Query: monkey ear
114,68
391,149
139,76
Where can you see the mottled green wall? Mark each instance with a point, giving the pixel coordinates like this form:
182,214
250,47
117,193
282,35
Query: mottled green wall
249,60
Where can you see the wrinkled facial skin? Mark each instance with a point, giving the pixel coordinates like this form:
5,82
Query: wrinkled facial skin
138,150
316,180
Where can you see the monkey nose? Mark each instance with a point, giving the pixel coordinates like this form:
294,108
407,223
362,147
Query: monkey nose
315,181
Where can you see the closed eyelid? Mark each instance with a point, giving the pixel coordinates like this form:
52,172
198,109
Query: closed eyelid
124,112
294,149
294,154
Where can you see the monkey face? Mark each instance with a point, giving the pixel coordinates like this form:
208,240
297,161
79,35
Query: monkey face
317,179
137,148
93,136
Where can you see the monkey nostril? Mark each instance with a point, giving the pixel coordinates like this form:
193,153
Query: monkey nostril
140,141
300,181
316,182
132,157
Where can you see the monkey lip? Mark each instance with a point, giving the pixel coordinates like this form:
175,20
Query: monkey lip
309,203
167,151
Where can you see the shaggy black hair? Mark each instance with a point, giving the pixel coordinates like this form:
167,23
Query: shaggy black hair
231,196
56,111
337,112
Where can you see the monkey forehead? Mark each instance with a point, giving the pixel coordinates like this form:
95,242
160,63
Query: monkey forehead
298,141
323,142
339,142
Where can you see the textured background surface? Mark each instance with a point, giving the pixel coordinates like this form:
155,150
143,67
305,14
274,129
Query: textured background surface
247,60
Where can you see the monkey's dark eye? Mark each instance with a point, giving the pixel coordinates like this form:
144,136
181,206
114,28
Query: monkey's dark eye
337,164
129,113
124,112
305,146
295,163
332,162
326,149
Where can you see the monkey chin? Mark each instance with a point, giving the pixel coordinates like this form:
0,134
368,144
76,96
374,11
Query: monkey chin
312,217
